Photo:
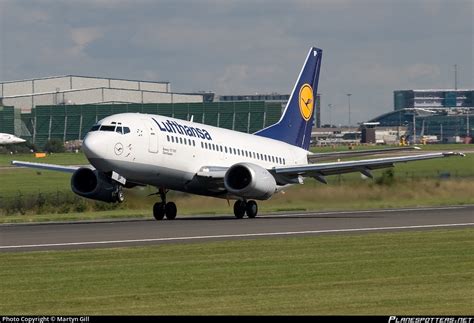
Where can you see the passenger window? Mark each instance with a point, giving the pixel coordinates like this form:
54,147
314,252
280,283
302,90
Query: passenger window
168,138
225,148
202,144
180,140
185,142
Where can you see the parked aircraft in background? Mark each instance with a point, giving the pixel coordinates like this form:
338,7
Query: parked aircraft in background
7,139
133,149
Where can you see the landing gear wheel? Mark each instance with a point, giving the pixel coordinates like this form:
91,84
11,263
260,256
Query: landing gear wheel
170,211
119,195
159,211
252,209
239,209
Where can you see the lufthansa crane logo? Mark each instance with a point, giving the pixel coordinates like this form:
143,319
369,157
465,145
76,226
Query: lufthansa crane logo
118,149
306,101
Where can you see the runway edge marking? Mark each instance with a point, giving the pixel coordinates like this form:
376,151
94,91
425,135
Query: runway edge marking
243,235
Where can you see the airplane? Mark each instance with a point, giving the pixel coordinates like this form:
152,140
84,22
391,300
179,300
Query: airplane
7,139
134,149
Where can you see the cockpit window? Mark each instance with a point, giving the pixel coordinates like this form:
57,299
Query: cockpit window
118,129
107,128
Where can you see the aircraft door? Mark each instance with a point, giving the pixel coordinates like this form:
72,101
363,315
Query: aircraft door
152,137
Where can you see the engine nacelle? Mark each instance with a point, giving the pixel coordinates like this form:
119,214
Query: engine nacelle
95,185
250,181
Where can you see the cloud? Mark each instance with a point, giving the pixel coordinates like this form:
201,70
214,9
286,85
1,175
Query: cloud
84,36
371,48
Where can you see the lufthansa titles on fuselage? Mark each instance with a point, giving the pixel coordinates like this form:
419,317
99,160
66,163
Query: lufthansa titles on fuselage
174,127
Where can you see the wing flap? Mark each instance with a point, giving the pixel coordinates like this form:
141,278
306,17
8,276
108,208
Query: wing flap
363,166
313,157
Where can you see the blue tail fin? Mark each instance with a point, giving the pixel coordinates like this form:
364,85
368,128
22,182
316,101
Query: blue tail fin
296,122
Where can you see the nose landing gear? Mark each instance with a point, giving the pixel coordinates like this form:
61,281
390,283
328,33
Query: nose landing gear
242,207
162,209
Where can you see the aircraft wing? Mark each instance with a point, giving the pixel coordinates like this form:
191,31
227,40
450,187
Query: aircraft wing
313,157
59,168
318,171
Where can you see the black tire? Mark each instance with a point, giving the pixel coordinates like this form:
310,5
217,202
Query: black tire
171,210
159,211
252,209
239,209
120,195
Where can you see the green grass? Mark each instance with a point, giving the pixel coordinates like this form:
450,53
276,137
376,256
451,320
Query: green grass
408,273
355,195
417,184
30,181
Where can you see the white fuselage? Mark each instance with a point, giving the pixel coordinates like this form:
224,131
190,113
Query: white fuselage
7,139
167,152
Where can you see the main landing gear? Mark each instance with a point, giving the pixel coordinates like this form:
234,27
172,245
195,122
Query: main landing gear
162,209
245,207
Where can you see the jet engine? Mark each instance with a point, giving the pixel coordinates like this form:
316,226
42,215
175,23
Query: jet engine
250,181
95,185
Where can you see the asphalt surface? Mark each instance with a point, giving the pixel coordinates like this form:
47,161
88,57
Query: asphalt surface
107,234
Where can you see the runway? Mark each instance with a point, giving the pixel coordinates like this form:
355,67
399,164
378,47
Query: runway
107,234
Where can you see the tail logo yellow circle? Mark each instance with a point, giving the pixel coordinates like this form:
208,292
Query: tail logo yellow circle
306,101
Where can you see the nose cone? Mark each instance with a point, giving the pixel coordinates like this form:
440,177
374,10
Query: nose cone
96,147
17,140
93,146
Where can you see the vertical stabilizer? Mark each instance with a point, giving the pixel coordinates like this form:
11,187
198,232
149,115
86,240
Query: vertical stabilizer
296,122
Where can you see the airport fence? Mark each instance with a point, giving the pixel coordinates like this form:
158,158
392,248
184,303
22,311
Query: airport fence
72,122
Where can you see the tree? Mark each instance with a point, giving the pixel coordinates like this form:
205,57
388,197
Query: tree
54,146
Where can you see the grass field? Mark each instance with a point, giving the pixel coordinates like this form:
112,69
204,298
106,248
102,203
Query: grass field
30,181
444,181
420,185
311,197
407,273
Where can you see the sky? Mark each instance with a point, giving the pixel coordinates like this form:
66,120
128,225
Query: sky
370,47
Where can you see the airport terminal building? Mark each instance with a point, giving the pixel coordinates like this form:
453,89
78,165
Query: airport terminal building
447,114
